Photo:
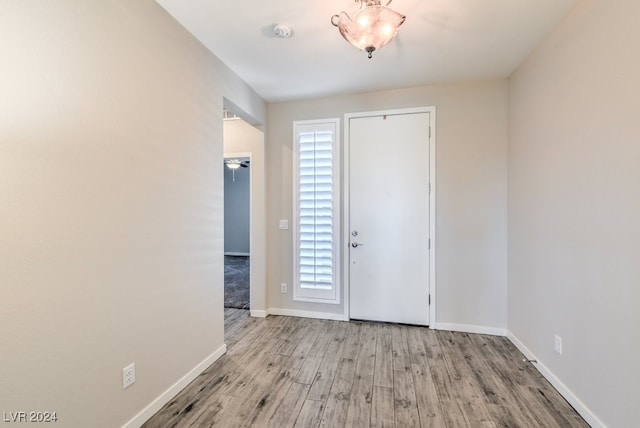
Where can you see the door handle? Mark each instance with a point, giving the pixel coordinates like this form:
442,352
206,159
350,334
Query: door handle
356,245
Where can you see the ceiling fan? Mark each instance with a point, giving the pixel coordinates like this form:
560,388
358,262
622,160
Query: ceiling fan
234,164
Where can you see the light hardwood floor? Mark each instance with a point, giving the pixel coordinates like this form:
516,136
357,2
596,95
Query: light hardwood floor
296,372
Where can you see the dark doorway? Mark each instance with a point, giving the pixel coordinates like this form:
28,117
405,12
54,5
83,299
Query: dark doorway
236,232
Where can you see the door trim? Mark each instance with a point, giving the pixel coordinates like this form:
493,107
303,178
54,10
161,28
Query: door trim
346,271
258,223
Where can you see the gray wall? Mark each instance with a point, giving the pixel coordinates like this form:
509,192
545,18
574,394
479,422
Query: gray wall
111,218
237,210
574,206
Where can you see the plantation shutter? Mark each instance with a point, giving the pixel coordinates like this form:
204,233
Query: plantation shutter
316,208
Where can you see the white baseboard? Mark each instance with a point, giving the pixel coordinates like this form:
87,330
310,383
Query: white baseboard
174,389
575,402
231,253
258,313
308,314
469,328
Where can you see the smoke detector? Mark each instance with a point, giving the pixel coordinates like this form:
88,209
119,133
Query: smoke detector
282,31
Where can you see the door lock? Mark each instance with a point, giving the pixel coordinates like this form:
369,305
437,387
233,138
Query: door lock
354,233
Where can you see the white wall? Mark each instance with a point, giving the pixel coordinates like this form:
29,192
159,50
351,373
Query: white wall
471,194
241,137
110,205
574,206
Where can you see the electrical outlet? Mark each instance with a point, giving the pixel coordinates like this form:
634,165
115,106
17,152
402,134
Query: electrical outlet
283,288
557,344
128,375
283,224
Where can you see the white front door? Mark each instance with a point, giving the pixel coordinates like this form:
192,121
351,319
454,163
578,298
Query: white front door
389,218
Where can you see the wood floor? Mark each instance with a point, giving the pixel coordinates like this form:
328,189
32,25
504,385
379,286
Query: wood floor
296,372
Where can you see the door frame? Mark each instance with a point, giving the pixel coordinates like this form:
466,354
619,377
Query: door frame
346,268
258,233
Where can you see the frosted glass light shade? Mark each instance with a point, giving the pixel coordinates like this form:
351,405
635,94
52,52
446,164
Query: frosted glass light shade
372,26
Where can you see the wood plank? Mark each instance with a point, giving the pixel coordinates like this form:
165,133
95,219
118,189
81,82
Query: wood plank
314,357
213,407
427,400
466,391
255,396
383,411
405,406
400,347
291,342
503,402
352,341
323,380
547,407
359,411
335,412
305,344
208,383
263,331
526,385
432,345
383,375
551,399
250,366
452,408
290,407
429,408
310,414
192,399
271,398
231,319
252,353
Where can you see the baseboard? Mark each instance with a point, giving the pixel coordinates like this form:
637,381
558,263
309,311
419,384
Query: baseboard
258,313
307,314
575,402
166,396
231,253
470,328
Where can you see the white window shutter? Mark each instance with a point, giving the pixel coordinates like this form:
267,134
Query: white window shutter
316,174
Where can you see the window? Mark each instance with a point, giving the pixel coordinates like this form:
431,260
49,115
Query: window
316,172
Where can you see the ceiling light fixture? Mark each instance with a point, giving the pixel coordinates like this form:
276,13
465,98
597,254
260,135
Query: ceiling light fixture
372,26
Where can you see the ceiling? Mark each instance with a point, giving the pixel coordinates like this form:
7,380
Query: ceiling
442,41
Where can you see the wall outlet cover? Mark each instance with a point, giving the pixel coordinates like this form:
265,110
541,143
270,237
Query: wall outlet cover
128,375
557,344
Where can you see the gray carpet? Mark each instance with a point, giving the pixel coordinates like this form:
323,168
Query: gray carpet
236,282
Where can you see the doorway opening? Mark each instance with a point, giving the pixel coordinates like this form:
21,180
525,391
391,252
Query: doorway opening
237,226
243,142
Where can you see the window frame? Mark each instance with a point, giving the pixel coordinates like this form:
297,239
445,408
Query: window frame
300,293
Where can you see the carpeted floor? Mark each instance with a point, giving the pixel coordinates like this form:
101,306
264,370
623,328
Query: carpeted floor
236,282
